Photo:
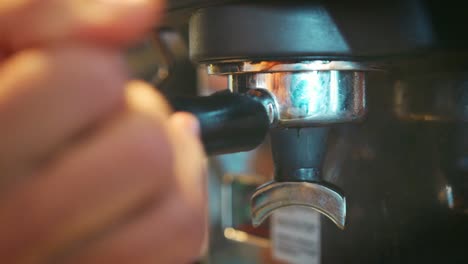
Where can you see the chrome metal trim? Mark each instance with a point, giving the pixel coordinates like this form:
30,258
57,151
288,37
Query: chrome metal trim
284,66
312,98
275,195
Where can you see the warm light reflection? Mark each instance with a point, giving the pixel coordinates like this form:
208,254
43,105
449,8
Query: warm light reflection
446,196
334,92
243,237
449,196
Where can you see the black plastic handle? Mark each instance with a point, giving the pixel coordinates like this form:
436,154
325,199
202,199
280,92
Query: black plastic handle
229,122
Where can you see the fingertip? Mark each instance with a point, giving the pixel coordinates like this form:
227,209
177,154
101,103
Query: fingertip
186,122
144,97
190,164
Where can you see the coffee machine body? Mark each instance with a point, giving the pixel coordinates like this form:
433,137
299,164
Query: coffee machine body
368,127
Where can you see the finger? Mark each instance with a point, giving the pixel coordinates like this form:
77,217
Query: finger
48,97
192,167
190,162
106,177
102,182
40,22
171,232
2,56
141,96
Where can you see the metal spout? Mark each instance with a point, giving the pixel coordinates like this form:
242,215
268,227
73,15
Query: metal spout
275,195
298,155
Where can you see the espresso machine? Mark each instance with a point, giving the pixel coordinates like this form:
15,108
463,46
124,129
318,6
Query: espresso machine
349,120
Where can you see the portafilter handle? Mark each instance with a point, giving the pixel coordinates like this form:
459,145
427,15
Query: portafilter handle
229,122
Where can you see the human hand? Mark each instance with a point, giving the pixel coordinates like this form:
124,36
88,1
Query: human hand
93,169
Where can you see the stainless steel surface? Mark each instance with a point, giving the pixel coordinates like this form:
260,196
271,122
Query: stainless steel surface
311,98
301,95
433,97
275,195
285,66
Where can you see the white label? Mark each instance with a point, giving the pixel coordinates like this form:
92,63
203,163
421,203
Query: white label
295,235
